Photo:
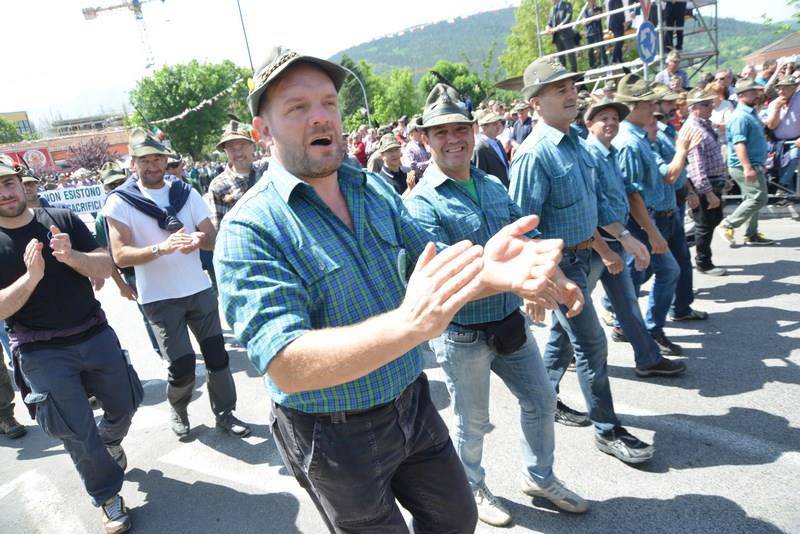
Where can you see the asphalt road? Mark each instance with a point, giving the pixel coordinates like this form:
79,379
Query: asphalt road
727,434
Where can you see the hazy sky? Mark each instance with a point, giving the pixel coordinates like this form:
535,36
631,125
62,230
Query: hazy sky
65,65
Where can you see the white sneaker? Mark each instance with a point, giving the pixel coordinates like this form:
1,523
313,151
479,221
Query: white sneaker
490,511
556,493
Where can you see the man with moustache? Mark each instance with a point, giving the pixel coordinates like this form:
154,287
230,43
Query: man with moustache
554,176
607,263
158,227
457,201
314,266
67,352
747,153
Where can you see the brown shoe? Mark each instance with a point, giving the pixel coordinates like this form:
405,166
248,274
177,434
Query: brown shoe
11,427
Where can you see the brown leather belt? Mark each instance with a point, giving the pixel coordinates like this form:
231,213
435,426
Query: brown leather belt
667,213
583,245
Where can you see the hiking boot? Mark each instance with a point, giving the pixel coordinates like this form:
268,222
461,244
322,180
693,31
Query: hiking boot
713,271
728,234
490,511
569,417
618,335
118,454
668,348
664,367
233,426
179,421
624,446
115,515
758,239
693,315
556,493
608,318
11,427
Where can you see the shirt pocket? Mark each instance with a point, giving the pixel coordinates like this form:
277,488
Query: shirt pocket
387,236
564,187
464,226
590,172
316,267
497,215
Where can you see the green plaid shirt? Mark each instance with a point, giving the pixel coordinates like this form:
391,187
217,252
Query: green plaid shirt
447,210
286,265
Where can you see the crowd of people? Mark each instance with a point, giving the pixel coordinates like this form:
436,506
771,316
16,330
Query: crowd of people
341,260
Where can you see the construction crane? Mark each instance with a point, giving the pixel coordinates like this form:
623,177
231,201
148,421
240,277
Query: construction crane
90,13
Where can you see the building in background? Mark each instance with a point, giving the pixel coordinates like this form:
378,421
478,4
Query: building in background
20,120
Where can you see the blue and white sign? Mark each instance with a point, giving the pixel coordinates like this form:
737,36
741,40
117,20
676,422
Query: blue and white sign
647,42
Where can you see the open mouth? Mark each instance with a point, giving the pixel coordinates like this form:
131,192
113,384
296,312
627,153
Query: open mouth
322,140
454,150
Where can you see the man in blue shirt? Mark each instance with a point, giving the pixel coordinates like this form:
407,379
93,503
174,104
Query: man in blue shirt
554,176
314,264
747,153
457,201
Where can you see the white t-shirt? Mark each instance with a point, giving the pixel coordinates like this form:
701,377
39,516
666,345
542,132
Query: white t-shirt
169,276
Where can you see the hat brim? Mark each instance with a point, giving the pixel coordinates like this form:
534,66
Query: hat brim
439,120
29,180
652,97
335,72
114,178
390,147
149,151
226,138
621,108
532,90
754,87
693,101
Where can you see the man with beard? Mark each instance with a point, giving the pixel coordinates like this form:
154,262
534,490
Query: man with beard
747,153
458,201
67,352
554,176
314,267
31,185
239,175
158,226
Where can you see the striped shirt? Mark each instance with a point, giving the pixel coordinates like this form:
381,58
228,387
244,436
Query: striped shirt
287,265
444,207
553,176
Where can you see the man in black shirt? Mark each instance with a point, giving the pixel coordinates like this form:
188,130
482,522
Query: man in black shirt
523,124
62,344
392,171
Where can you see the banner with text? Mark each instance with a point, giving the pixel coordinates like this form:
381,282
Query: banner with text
87,199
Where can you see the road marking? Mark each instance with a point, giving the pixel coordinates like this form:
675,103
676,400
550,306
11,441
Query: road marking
43,502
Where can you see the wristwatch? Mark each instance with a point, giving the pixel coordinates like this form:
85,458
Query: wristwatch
623,234
155,250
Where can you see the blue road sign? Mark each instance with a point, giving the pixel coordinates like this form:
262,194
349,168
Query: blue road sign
647,42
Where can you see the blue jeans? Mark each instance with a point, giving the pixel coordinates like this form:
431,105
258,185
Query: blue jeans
788,166
622,298
589,343
355,465
60,378
666,270
467,361
684,291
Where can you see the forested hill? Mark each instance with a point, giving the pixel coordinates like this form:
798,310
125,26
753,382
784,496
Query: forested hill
469,39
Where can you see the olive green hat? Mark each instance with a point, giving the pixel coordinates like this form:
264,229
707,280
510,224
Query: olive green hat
488,118
697,95
8,170
663,92
543,72
28,178
234,130
111,172
787,81
597,107
520,106
444,106
143,143
278,60
747,84
388,142
634,88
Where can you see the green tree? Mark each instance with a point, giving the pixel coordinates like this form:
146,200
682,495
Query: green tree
397,97
8,132
466,82
522,43
173,89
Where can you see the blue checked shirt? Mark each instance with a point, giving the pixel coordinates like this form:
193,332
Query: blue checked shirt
744,126
637,161
449,212
553,176
612,186
287,265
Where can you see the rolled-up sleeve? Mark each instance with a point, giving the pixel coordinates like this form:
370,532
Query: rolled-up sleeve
263,299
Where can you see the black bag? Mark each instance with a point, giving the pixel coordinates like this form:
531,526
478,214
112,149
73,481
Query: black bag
508,335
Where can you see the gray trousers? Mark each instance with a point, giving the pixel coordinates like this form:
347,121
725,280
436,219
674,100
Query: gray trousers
60,378
754,198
